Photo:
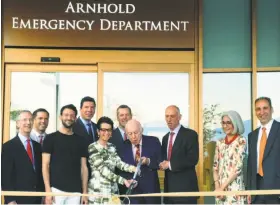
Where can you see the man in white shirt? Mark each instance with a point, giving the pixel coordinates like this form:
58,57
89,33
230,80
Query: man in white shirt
40,124
264,151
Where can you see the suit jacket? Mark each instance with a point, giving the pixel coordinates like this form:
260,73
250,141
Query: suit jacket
18,173
184,157
148,182
271,165
117,140
80,129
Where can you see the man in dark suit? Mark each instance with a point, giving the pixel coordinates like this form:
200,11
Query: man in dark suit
21,163
118,138
148,149
264,151
83,125
180,154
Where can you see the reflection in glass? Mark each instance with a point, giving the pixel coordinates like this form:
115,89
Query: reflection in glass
223,92
268,84
148,94
32,90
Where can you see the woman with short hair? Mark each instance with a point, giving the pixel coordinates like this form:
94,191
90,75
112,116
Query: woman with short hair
228,160
103,159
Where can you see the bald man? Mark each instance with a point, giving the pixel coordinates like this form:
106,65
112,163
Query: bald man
147,148
180,155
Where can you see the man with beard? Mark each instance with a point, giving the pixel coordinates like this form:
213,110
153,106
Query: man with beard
40,124
64,161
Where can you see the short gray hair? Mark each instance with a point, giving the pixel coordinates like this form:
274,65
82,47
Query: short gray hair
23,111
236,121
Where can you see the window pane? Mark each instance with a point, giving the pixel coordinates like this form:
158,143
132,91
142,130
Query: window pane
268,84
32,90
148,94
227,91
74,86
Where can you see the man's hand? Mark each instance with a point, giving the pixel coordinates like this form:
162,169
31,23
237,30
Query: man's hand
84,200
49,200
164,165
12,202
145,160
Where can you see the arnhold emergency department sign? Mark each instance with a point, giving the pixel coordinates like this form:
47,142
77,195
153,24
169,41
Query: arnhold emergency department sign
106,23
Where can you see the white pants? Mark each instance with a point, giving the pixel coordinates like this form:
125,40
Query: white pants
59,200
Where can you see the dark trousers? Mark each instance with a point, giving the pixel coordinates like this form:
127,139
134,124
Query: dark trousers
187,200
264,199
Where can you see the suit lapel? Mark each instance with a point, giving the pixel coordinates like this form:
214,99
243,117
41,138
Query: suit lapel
130,157
144,151
271,138
23,153
119,135
83,128
178,141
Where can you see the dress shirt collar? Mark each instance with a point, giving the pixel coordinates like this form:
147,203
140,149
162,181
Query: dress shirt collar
37,134
134,146
22,138
176,130
267,126
85,122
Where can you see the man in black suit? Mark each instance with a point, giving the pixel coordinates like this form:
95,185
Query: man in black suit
118,138
83,125
21,163
264,151
180,154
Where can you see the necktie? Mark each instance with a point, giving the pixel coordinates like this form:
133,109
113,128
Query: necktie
90,133
29,151
261,150
124,137
137,153
170,146
41,139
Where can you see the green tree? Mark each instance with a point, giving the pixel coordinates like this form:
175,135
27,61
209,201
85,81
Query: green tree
211,116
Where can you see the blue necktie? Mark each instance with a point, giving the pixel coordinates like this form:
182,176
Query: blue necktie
91,137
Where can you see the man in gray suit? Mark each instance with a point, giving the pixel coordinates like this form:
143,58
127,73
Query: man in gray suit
264,151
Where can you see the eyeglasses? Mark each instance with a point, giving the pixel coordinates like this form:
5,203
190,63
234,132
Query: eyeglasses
226,123
105,130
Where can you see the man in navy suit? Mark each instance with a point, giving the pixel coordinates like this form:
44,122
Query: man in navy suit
21,163
119,137
264,151
148,149
83,125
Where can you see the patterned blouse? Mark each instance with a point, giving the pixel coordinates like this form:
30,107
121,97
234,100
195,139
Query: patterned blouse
228,159
104,181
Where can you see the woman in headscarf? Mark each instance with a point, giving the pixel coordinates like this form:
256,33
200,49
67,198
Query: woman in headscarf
228,160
